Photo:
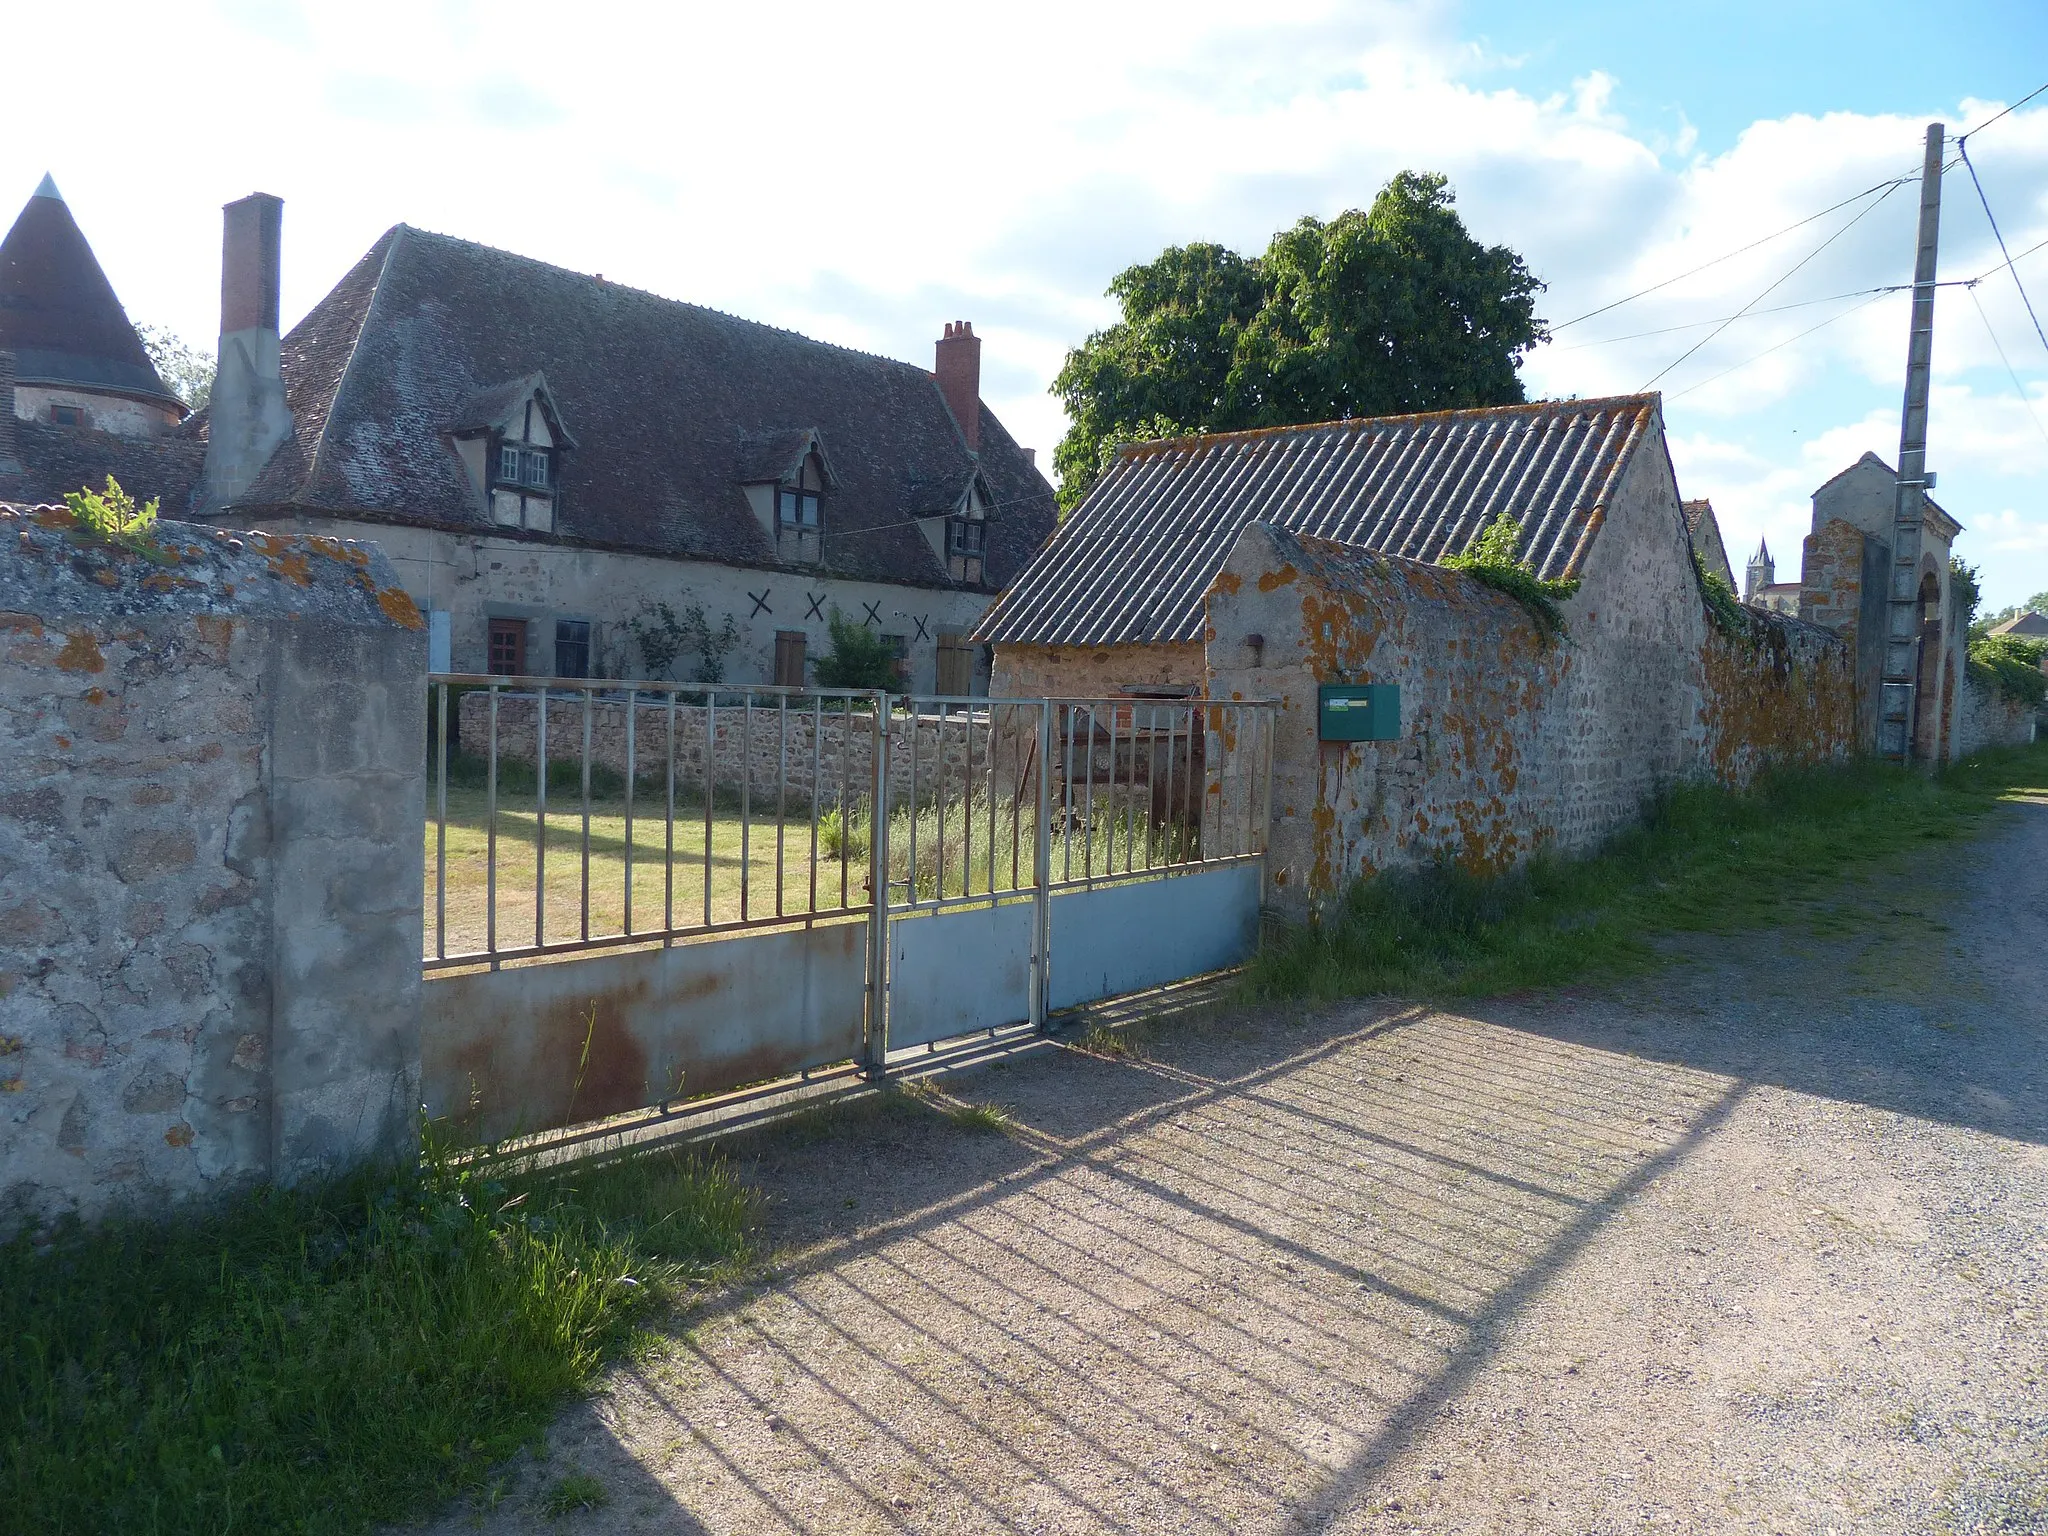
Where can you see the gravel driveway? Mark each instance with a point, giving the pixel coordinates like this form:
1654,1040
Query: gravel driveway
1753,1246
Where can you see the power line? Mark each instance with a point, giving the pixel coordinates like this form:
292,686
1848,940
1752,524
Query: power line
1775,309
1883,186
1997,115
2002,250
1787,277
1767,351
2018,388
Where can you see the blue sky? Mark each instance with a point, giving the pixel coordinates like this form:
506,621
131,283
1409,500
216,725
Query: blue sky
864,174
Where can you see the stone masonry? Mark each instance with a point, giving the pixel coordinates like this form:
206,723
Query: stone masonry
1510,744
209,863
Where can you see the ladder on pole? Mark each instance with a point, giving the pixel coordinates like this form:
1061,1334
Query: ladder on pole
1898,704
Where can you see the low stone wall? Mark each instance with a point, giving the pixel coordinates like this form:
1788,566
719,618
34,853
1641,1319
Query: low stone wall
209,864
1986,718
769,748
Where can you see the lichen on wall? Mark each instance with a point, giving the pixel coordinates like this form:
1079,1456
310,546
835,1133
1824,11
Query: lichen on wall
1784,695
1509,742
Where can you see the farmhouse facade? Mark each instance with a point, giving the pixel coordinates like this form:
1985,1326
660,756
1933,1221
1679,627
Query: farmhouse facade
559,466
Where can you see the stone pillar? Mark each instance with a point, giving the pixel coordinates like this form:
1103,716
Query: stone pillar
210,843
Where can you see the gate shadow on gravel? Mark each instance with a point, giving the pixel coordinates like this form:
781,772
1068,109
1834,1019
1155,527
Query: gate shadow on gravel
1203,1291
1221,1286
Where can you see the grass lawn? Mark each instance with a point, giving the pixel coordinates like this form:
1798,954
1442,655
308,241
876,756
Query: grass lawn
695,901
1706,860
327,1360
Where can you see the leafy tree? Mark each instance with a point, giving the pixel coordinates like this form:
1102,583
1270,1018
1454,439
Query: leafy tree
857,659
186,372
1393,309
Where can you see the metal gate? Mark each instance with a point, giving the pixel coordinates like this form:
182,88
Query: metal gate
640,893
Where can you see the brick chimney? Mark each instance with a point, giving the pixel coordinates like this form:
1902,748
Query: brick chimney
247,416
10,438
959,375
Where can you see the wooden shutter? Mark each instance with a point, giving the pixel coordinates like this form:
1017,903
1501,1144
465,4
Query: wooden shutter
956,665
789,658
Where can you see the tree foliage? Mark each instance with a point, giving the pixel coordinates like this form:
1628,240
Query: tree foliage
1377,312
2012,665
186,371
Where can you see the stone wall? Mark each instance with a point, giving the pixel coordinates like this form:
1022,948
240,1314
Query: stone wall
1094,671
1509,743
209,863
775,746
1786,695
1986,718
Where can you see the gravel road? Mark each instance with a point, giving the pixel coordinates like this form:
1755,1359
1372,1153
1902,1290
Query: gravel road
1754,1246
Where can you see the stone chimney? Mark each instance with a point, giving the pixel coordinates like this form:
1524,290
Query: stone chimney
247,417
10,437
959,374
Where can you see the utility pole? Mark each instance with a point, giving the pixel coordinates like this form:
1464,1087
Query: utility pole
1899,707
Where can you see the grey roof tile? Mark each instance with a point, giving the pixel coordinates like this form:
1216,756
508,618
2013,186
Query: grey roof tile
1130,565
671,407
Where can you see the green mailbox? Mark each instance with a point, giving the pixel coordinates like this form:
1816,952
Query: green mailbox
1358,712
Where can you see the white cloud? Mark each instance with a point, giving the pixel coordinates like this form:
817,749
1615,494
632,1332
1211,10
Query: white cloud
865,173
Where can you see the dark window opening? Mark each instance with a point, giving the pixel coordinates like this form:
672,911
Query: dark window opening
797,509
507,655
531,468
67,416
790,647
799,501
572,648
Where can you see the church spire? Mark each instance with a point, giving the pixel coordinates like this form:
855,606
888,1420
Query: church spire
1762,572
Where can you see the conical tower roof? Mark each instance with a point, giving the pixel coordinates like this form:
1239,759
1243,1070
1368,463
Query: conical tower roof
58,313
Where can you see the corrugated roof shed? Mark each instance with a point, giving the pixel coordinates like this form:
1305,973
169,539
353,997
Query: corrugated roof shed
672,408
1130,565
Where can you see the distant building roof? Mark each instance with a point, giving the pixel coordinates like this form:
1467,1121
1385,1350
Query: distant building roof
2029,623
1130,565
1704,529
58,313
671,406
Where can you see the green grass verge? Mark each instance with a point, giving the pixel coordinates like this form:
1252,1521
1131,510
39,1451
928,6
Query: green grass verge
325,1360
1705,860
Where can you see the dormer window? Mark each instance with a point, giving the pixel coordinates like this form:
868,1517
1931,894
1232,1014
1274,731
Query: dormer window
510,439
800,511
967,544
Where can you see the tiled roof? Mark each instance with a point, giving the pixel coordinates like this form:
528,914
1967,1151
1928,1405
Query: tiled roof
1694,511
58,313
2029,624
56,460
1130,565
669,404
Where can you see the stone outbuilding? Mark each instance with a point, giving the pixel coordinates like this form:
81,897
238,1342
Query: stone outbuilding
1114,601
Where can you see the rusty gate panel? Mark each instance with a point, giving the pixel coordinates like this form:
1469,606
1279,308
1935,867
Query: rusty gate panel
516,1051
1112,939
